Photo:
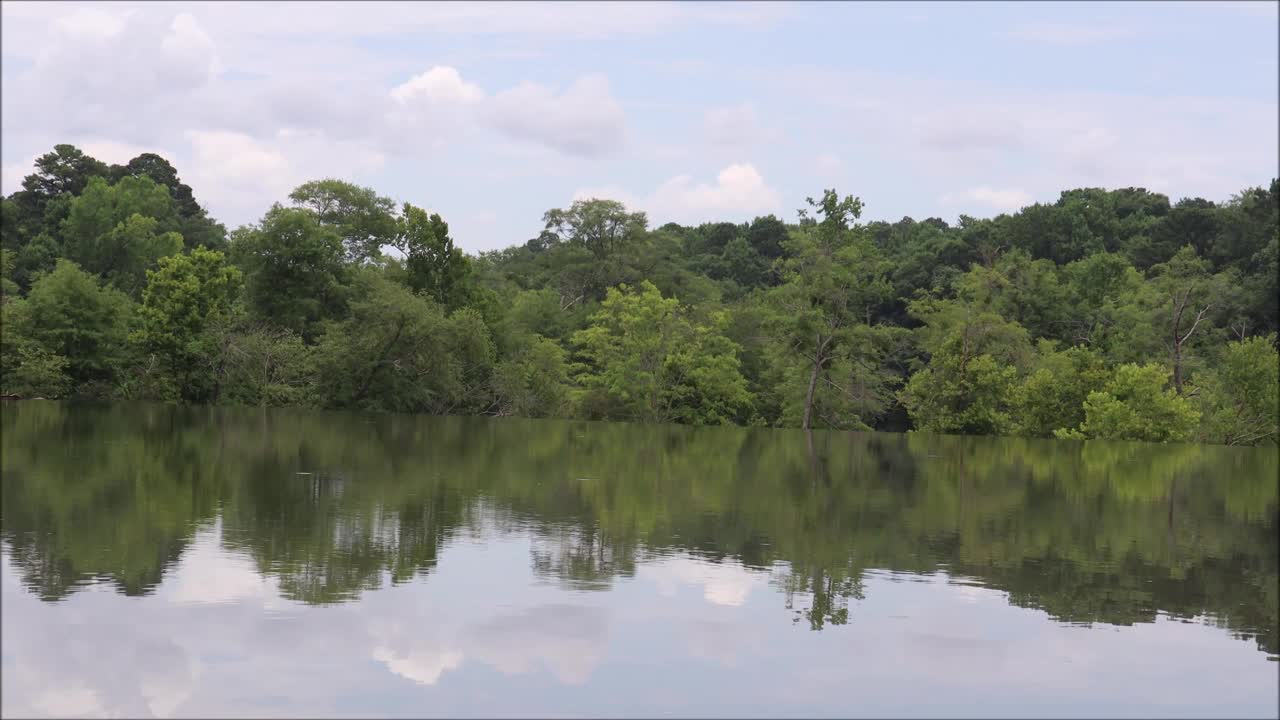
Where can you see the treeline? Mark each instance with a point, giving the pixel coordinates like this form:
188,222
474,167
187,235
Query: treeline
1107,314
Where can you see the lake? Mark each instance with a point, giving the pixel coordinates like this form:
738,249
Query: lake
164,561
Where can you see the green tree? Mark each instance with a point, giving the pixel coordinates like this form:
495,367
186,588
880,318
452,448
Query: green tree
41,204
833,280
434,265
974,358
119,231
399,352
265,366
534,380
363,219
194,224
1052,396
1239,396
591,241
8,288
1109,309
1188,301
184,298
296,277
1135,405
646,360
69,314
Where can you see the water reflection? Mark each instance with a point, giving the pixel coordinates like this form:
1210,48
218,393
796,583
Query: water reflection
359,562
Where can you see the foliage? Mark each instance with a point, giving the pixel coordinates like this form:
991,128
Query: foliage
1135,405
69,314
834,281
434,266
1240,396
533,381
1052,396
184,297
645,359
398,352
294,267
363,219
119,231
1002,325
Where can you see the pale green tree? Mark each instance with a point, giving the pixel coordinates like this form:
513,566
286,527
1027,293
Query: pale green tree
1136,404
185,297
644,359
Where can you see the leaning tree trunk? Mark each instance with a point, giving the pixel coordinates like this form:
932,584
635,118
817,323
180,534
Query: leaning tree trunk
808,398
819,358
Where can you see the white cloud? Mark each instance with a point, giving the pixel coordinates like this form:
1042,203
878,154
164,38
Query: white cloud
968,128
235,173
1005,200
209,574
238,176
432,109
235,157
187,46
584,119
739,191
12,175
1067,34
90,22
438,85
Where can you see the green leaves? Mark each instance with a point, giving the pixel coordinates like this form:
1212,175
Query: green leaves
184,299
434,265
1239,397
534,380
363,219
823,322
645,359
398,352
1135,405
1052,396
68,313
295,270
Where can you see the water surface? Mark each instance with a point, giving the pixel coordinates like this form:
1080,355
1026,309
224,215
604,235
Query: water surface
161,561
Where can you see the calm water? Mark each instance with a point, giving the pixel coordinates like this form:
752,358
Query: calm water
212,562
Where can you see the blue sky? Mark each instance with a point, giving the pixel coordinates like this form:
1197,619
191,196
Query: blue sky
491,114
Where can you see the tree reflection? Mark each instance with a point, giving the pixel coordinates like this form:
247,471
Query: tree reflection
334,505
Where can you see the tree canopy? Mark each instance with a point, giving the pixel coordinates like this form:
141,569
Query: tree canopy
1104,314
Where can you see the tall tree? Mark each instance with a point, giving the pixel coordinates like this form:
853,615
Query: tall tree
833,279
64,172
596,234
194,224
363,219
434,266
296,274
185,297
119,231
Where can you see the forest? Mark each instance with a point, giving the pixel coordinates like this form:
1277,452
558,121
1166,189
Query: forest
1111,314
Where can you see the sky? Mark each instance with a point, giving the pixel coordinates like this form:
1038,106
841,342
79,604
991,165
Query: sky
491,114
